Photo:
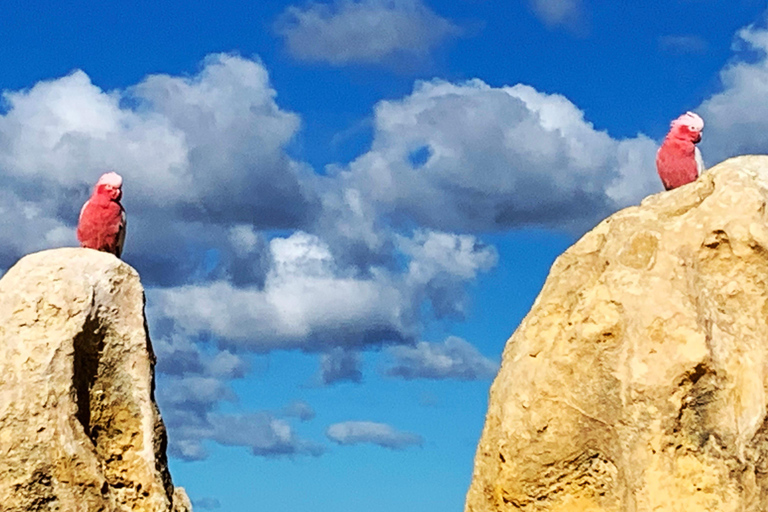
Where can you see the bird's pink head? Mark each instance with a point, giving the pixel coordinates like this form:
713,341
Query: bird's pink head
688,125
110,184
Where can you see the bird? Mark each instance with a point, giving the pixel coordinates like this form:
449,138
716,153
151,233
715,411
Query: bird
678,160
102,218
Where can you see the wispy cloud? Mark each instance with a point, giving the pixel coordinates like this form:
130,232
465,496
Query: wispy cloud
193,384
264,434
206,503
381,434
560,13
261,432
299,409
363,31
452,359
339,365
683,44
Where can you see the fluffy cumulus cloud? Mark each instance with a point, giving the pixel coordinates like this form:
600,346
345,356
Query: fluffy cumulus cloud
440,266
172,139
736,119
310,302
455,358
381,434
471,157
368,31
306,302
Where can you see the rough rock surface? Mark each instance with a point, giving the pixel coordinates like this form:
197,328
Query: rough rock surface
638,380
79,427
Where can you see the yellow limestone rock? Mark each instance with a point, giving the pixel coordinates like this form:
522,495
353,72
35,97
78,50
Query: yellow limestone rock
638,380
79,428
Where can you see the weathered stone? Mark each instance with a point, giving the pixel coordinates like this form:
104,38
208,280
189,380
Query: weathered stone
79,427
638,380
181,502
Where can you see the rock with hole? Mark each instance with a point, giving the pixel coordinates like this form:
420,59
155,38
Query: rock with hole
79,426
638,380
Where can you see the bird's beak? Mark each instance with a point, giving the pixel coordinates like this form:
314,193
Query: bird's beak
697,139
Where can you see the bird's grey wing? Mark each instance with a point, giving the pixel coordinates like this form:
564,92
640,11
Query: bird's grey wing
699,161
121,235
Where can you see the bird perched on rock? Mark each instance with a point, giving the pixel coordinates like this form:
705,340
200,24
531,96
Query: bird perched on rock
678,160
102,218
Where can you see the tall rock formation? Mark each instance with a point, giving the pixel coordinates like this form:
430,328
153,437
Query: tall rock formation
638,380
79,427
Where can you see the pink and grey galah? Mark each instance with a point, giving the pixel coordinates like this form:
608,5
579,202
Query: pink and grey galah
678,160
102,218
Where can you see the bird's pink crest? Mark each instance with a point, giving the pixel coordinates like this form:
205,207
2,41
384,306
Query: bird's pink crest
691,120
111,179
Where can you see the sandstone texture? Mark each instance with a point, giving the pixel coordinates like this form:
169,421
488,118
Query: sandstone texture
638,380
79,428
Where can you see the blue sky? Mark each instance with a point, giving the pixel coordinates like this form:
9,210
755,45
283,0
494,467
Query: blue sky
342,209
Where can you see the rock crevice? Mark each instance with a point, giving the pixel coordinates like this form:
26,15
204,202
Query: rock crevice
79,426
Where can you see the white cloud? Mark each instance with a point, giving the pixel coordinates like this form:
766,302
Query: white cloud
440,266
369,31
309,302
736,119
452,359
67,129
232,127
459,255
381,434
497,158
172,139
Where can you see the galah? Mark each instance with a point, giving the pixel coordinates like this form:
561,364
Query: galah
678,160
102,218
